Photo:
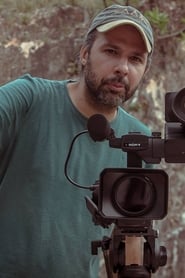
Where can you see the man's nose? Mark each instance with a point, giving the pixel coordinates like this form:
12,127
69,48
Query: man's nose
122,67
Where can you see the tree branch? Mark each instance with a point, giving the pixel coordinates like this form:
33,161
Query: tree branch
174,34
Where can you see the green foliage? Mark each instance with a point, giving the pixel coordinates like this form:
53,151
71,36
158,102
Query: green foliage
134,3
182,36
26,6
183,20
158,19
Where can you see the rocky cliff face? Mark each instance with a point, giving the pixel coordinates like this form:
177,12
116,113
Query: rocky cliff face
47,45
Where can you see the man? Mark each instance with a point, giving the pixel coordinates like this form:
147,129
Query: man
45,227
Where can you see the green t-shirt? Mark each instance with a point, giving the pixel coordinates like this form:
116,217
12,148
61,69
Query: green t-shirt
45,227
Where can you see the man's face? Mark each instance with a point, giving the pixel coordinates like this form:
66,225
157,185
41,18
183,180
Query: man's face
114,66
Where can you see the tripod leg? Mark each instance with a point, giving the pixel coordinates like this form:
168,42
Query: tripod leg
107,264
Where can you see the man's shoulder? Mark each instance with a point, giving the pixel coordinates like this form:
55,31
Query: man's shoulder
36,80
27,81
131,123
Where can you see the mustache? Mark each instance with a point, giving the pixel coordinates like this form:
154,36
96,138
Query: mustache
117,79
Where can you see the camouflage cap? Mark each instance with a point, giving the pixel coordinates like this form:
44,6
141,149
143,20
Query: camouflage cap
116,15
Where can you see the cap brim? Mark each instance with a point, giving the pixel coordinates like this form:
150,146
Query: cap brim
110,25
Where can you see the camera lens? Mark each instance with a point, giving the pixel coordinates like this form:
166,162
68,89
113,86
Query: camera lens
133,195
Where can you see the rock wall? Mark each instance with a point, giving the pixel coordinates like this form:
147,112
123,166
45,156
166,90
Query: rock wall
48,46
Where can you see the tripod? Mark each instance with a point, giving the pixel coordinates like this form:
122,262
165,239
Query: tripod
117,247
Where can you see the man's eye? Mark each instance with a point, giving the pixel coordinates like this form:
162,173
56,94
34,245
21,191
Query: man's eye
111,51
136,59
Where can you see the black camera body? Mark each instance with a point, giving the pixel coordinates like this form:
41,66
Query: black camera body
175,127
175,106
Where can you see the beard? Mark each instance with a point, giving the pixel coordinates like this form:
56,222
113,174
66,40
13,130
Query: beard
100,92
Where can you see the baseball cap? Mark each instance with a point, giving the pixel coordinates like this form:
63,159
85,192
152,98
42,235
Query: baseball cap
116,15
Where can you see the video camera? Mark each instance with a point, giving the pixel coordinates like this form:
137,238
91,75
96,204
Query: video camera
133,197
136,192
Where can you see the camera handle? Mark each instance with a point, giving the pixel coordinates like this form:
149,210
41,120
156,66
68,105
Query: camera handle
116,253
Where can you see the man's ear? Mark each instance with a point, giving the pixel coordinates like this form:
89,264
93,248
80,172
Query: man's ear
83,55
